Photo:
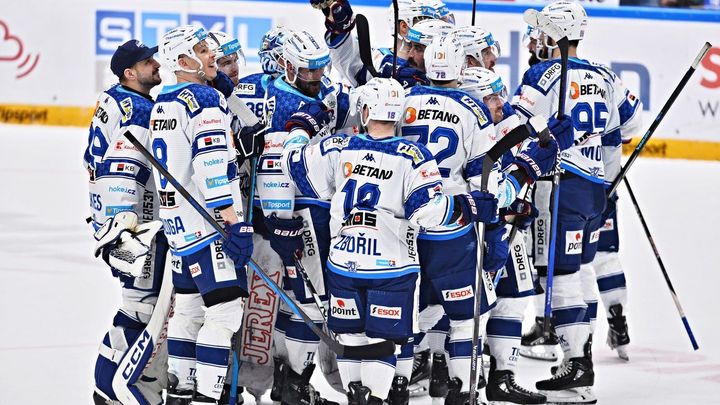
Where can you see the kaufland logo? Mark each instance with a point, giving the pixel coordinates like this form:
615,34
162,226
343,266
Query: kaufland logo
343,308
380,311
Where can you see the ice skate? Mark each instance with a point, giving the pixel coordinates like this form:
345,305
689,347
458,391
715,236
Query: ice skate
420,378
535,345
618,338
571,384
501,389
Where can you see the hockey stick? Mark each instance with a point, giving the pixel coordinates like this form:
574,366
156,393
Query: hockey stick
371,351
658,119
539,20
242,111
396,11
306,279
363,33
472,22
662,265
514,137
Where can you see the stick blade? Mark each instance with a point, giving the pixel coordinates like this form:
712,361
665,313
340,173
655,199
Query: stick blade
363,33
539,20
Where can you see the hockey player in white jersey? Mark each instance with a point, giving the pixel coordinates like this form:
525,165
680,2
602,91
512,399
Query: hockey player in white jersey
458,130
591,103
190,132
302,97
344,46
124,210
383,189
481,49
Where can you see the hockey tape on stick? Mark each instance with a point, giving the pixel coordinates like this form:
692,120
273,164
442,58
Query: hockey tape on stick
363,33
239,108
371,351
662,266
308,283
396,11
141,354
658,119
514,137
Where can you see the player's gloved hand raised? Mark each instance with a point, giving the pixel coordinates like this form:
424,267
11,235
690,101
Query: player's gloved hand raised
497,247
523,211
239,245
537,160
477,206
249,142
313,118
339,17
406,75
562,130
223,83
285,237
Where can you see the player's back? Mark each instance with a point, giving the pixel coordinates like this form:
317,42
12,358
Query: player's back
190,135
454,127
251,90
589,101
119,175
380,185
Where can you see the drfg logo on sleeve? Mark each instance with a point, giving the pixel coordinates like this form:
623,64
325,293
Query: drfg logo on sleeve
573,242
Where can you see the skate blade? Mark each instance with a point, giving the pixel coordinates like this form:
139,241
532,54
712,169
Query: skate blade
580,395
438,401
540,352
622,352
419,389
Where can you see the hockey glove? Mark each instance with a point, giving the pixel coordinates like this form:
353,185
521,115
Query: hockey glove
406,75
497,247
339,17
285,237
313,118
249,142
523,211
610,208
476,207
239,245
123,245
537,160
223,83
563,131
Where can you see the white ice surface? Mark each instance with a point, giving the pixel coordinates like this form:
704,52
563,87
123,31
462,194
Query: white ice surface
57,301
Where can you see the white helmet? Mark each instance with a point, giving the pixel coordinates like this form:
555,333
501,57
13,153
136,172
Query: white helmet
568,15
225,45
384,98
474,40
271,50
414,11
444,58
424,31
480,82
180,41
302,50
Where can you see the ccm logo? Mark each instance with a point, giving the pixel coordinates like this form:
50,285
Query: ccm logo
380,311
458,294
136,355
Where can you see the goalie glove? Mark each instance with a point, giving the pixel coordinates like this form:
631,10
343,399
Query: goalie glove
123,244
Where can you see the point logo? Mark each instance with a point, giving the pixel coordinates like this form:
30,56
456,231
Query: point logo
343,308
410,115
573,242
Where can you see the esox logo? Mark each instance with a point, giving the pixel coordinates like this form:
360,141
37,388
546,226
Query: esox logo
380,311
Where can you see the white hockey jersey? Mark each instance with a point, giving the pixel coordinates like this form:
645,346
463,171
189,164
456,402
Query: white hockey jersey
190,135
382,191
120,177
590,101
457,130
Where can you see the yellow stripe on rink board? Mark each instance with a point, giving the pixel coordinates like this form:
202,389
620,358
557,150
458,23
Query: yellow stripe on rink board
677,149
45,115
81,116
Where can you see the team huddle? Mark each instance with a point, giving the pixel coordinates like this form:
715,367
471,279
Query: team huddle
395,245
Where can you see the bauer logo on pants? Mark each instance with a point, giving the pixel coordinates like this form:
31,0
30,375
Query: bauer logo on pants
573,242
458,294
380,311
343,308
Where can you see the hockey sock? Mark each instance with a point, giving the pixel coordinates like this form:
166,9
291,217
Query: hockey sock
213,345
459,347
610,279
438,335
183,329
504,330
404,364
282,323
350,368
301,341
569,312
539,299
590,294
378,374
